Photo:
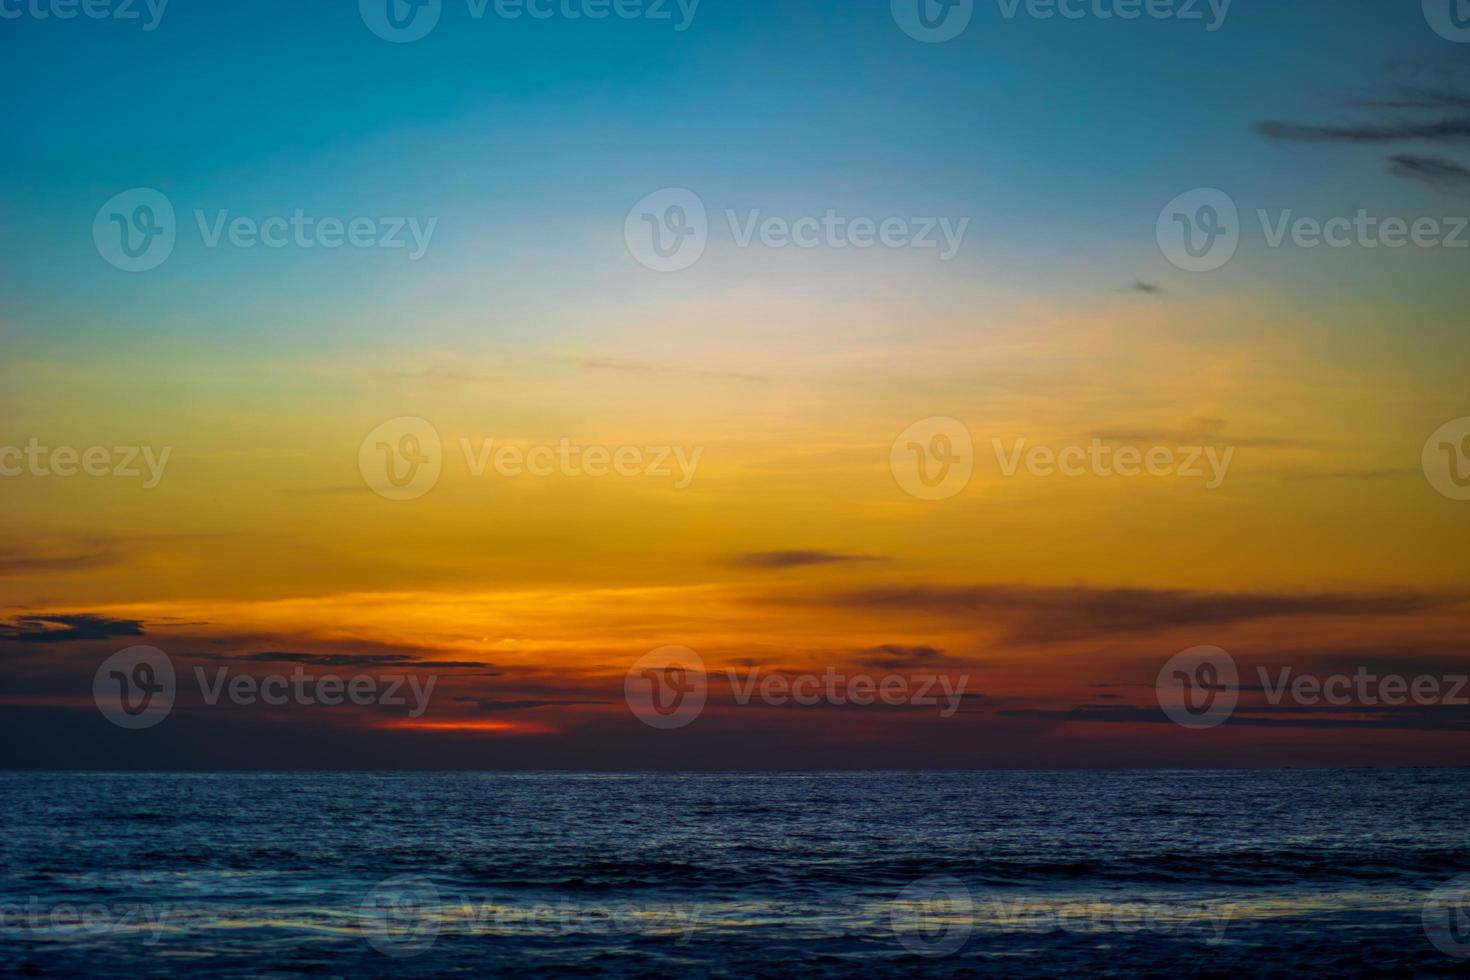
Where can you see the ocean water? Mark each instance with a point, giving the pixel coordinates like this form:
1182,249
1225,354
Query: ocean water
1166,874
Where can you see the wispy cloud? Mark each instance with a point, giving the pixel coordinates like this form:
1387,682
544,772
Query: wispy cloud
362,660
1038,614
492,705
1407,105
1201,431
1435,718
892,656
1443,174
643,367
1379,473
1441,130
38,558
775,560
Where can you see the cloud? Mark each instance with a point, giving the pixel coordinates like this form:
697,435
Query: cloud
1139,286
1438,131
1038,614
1201,431
1405,107
361,660
433,375
892,656
1442,174
523,705
771,560
1435,717
344,488
643,367
1382,473
41,559
67,628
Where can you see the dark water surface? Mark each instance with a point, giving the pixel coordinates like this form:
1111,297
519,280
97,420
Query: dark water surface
1164,874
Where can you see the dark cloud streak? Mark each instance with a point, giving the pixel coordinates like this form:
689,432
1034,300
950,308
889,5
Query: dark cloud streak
67,628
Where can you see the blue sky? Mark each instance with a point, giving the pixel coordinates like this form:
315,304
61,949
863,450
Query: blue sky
1056,136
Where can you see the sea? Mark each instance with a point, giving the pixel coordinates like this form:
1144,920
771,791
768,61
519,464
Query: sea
949,874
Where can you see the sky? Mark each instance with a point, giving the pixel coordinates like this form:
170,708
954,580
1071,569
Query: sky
770,512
